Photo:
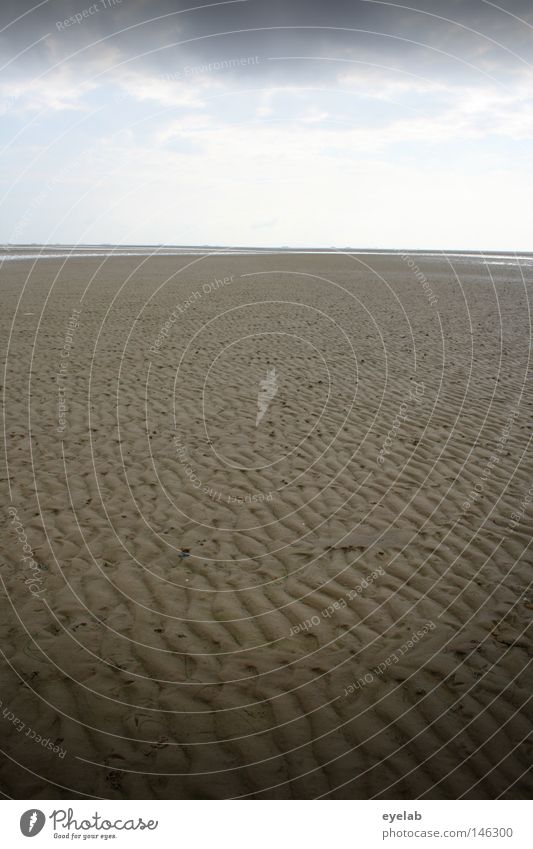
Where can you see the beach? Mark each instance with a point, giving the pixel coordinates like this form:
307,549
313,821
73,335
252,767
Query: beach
266,527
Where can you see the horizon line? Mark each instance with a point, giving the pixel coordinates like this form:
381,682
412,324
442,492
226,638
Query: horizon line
296,248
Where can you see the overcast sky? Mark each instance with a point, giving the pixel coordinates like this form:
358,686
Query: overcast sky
268,122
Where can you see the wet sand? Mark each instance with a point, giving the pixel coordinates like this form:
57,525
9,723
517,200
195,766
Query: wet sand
266,528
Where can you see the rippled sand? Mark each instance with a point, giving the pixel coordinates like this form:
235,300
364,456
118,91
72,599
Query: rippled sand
320,591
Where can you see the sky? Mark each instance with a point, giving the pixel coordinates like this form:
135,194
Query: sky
303,123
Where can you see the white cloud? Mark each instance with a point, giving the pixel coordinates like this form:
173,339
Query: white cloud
161,91
314,116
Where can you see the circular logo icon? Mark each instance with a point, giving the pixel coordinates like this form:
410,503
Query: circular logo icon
32,822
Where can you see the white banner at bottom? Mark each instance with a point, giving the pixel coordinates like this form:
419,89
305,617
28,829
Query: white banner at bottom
266,824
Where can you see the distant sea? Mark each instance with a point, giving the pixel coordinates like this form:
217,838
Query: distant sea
10,253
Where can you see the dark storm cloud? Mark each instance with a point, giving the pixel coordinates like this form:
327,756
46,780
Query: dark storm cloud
154,37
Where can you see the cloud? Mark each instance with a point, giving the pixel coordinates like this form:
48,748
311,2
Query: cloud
306,121
164,92
55,93
158,37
